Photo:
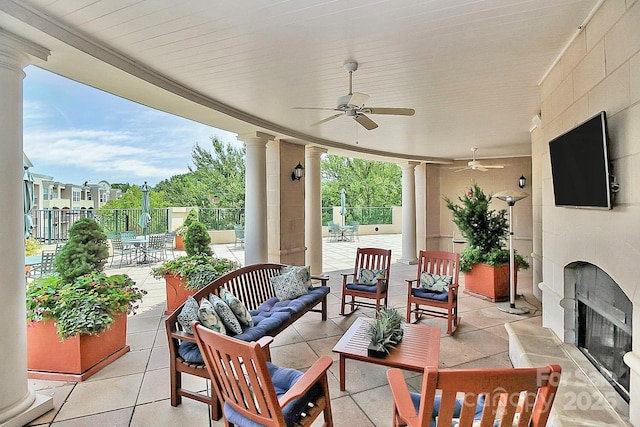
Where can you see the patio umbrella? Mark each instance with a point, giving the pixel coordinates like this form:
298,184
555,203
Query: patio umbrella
145,216
28,201
343,203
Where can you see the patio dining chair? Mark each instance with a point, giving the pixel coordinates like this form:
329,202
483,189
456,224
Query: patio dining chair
119,249
155,249
435,290
254,391
128,235
503,396
46,267
369,280
239,231
334,231
169,244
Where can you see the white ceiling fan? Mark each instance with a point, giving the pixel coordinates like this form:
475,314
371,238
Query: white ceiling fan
476,165
352,105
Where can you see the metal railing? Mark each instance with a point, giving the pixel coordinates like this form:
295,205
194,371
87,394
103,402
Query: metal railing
52,225
221,218
365,216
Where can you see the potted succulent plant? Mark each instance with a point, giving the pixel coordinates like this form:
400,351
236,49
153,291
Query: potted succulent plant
485,261
185,275
77,318
385,332
181,231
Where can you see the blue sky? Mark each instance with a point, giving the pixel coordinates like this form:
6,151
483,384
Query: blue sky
76,133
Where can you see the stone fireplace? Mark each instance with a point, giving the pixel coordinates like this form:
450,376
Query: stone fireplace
598,321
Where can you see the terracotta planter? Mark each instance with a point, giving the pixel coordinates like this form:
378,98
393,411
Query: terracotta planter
179,243
76,358
488,282
176,292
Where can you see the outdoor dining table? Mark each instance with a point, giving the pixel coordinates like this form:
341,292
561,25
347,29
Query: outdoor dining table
343,229
139,242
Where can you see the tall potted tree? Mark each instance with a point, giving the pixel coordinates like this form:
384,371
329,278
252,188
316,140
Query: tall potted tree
485,261
181,231
77,318
185,275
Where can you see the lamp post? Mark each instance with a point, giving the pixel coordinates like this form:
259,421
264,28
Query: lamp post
511,197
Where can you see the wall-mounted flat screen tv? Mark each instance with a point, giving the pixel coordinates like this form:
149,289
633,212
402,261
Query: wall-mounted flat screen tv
580,165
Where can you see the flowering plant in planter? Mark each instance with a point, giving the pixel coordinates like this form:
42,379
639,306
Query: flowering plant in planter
79,297
197,270
88,305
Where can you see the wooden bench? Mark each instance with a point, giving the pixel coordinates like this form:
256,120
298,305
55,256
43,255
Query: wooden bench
252,286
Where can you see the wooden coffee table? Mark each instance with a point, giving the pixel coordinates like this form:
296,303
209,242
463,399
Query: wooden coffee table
420,347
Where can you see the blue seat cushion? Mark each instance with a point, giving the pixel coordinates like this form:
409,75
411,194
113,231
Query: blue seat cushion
415,399
423,293
366,288
190,352
283,379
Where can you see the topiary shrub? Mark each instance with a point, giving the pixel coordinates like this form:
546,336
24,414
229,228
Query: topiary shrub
197,240
85,252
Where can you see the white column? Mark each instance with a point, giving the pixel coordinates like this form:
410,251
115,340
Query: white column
313,208
255,199
18,404
408,213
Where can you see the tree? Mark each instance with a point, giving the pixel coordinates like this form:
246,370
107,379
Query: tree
85,252
132,199
368,182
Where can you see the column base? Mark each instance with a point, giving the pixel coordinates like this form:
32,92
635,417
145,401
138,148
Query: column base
408,261
40,406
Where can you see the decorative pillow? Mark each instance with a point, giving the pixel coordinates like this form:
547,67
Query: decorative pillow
370,277
226,315
237,306
188,314
209,318
304,273
435,282
288,286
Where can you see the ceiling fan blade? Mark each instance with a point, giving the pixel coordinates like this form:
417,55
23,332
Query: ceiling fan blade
315,108
462,169
357,99
391,111
335,116
493,166
365,121
480,168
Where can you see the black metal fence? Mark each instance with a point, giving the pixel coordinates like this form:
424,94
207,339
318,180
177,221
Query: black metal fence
52,225
221,218
365,216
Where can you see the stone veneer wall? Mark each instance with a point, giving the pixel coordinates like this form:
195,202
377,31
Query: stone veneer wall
600,70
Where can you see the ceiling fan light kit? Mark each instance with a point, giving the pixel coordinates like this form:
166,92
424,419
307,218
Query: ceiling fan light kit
353,105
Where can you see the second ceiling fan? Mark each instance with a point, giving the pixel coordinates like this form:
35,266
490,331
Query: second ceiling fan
476,165
352,105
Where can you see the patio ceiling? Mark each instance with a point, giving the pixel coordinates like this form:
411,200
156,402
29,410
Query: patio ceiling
470,68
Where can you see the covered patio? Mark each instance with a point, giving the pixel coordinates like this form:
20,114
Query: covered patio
134,390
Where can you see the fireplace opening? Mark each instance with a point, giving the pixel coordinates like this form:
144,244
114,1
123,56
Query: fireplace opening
603,320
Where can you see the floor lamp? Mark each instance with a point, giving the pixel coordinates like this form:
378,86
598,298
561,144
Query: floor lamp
511,197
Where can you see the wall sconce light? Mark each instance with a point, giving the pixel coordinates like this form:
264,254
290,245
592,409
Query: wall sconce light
522,181
298,173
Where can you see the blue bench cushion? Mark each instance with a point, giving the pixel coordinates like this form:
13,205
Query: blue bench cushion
366,288
283,379
269,316
423,293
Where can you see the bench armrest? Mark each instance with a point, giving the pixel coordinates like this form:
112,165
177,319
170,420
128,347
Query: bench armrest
265,342
322,277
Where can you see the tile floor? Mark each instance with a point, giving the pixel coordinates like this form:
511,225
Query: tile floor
134,390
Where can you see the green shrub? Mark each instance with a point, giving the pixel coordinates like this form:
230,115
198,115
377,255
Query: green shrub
86,251
197,270
197,240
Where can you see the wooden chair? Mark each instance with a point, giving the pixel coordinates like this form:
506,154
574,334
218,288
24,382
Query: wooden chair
423,302
255,390
515,396
370,259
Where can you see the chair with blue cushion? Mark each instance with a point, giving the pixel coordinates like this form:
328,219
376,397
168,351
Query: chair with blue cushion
254,391
369,280
435,290
476,397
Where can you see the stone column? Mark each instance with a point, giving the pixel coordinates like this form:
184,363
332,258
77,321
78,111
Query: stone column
409,213
313,208
18,404
255,199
